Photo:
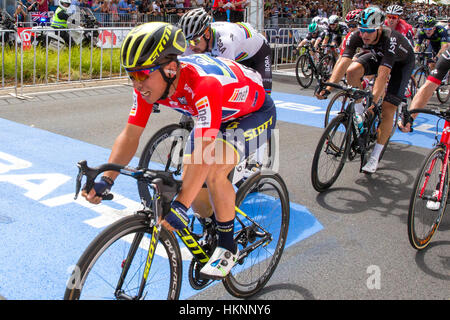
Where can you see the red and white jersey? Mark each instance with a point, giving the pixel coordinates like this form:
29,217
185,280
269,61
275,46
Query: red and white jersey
405,29
215,90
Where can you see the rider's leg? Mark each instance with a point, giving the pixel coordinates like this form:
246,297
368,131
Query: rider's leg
355,73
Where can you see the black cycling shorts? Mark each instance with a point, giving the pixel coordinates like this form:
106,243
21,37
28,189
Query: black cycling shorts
400,75
441,69
262,62
247,133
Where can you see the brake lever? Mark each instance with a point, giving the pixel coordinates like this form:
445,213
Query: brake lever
78,182
83,170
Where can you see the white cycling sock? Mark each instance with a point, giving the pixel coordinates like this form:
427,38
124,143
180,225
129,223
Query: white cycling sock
359,108
377,151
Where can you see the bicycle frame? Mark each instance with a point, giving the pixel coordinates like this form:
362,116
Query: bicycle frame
445,140
189,241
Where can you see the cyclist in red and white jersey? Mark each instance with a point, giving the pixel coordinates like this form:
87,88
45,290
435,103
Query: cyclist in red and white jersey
393,21
352,24
234,116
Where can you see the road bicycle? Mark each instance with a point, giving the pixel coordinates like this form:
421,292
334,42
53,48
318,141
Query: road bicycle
423,71
430,191
341,140
339,101
136,258
306,69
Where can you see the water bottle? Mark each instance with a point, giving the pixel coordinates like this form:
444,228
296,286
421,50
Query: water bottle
358,120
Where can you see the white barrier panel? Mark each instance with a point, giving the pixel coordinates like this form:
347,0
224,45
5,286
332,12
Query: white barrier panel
111,38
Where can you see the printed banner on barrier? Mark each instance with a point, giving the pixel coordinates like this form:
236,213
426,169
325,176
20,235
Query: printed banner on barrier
111,38
25,36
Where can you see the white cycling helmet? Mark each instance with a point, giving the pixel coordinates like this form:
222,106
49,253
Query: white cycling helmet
194,23
316,19
333,19
394,10
64,4
371,18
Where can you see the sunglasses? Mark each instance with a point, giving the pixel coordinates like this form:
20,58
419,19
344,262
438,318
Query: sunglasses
142,74
428,29
352,25
195,41
363,30
390,16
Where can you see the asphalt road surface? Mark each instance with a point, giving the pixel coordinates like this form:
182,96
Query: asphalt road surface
362,252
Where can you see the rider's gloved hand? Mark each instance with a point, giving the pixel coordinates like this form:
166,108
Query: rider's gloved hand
99,191
177,216
103,187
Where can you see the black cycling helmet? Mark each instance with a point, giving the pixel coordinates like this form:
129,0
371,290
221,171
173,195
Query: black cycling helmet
429,22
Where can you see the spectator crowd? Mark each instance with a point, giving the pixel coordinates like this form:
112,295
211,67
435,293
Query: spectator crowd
292,10
275,11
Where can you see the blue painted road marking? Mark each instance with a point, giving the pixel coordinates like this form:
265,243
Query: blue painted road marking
44,231
310,111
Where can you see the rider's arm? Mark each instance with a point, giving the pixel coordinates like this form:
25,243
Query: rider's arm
379,86
423,96
444,47
124,147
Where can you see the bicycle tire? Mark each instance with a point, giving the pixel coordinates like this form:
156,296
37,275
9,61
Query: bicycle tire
159,160
102,252
421,75
302,62
340,149
339,107
326,66
254,197
416,219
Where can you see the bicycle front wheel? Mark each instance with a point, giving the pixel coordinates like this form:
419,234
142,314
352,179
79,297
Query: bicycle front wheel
113,265
337,104
261,234
304,70
425,208
331,153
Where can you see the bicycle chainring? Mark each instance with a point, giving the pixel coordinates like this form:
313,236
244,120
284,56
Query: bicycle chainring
195,279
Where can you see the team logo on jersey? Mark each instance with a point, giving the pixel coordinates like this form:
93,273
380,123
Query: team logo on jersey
135,104
240,94
204,113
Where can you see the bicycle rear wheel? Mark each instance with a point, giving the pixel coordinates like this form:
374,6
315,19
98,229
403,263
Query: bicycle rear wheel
265,200
425,210
331,153
164,151
304,70
101,271
443,91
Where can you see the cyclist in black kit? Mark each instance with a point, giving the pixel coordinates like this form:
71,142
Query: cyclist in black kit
426,91
390,57
335,32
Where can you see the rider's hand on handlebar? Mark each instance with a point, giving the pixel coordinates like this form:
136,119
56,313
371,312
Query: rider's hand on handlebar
99,192
321,93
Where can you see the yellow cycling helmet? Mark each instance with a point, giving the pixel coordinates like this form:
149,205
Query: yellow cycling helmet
152,43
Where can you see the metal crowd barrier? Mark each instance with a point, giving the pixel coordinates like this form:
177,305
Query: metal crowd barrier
28,60
32,60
